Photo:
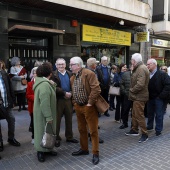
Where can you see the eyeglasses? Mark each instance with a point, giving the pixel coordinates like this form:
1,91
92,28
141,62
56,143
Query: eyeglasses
60,64
72,64
149,64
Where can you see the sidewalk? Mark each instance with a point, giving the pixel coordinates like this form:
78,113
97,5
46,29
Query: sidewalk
118,152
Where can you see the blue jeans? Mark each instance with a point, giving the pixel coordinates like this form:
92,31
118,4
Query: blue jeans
155,109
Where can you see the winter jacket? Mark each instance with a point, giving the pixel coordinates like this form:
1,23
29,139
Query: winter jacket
139,83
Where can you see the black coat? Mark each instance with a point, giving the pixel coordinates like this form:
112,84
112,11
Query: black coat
160,87
9,89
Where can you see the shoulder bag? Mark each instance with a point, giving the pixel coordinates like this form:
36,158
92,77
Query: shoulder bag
48,140
114,90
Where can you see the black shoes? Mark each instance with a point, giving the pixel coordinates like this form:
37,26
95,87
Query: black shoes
13,142
57,143
1,146
107,114
149,129
95,159
110,108
72,140
41,156
123,126
19,109
80,152
51,153
143,138
101,140
24,108
158,133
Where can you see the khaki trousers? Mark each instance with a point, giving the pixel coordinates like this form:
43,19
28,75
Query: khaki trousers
87,118
138,118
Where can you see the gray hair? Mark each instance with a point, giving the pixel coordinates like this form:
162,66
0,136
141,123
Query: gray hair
152,60
61,59
104,58
77,60
15,61
137,57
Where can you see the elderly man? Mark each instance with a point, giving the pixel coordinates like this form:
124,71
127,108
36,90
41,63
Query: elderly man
103,72
8,98
61,77
159,89
85,90
139,94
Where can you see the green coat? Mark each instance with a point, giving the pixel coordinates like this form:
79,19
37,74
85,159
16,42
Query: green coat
44,109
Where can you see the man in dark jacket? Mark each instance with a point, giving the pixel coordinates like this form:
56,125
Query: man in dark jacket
64,105
159,89
103,72
8,97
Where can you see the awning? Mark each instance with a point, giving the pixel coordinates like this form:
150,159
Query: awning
33,31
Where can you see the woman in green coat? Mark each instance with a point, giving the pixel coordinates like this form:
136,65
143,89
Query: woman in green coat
44,108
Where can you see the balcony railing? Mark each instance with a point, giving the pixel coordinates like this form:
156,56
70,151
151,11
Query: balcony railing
156,18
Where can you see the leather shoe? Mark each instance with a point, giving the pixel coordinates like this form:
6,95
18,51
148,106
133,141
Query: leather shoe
1,146
101,140
110,108
107,114
72,140
19,110
24,108
52,153
123,126
41,156
57,143
80,152
13,142
95,159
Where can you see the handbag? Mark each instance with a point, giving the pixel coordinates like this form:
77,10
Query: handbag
114,90
101,104
23,81
48,140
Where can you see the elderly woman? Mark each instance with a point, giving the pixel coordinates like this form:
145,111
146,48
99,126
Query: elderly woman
44,108
18,73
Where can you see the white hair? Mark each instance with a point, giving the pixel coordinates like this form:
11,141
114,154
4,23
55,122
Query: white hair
77,60
137,57
152,60
104,58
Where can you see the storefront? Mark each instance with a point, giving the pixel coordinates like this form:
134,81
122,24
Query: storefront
98,42
160,50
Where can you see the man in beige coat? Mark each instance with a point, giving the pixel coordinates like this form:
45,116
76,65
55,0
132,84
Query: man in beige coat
139,94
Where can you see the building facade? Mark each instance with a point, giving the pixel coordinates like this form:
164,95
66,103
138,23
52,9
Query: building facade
47,30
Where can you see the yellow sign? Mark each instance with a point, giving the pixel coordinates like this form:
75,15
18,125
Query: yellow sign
105,35
142,37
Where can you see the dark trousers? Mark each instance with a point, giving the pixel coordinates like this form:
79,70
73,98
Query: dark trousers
127,104
119,107
87,117
11,124
105,95
64,108
32,125
21,99
111,101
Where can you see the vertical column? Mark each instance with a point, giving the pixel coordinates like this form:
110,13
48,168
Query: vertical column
166,6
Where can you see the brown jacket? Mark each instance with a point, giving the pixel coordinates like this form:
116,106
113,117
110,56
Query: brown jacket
139,83
91,85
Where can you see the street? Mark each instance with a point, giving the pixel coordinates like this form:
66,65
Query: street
118,152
